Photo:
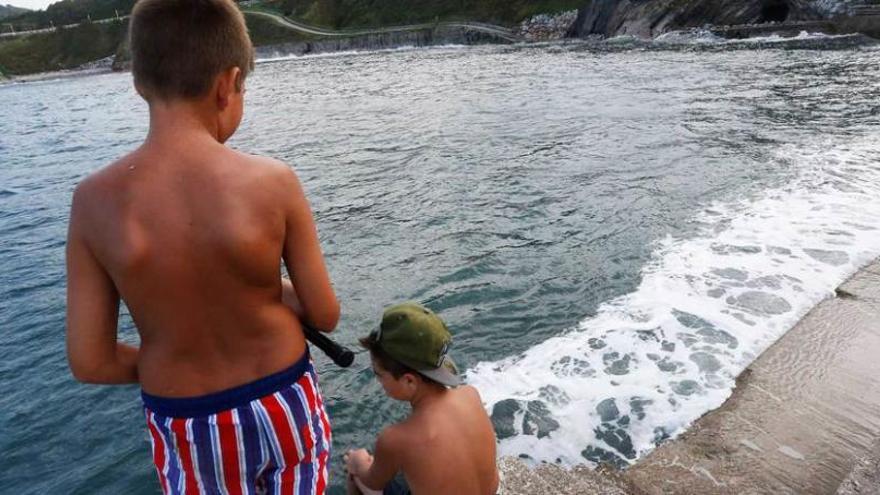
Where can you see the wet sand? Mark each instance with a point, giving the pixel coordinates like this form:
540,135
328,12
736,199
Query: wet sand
801,416
803,419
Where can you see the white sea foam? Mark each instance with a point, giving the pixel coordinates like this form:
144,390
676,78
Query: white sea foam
282,56
652,361
695,36
707,37
803,35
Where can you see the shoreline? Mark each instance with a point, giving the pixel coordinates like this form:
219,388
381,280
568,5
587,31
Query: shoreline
395,41
804,418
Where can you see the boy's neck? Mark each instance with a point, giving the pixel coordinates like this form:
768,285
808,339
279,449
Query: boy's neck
426,395
171,121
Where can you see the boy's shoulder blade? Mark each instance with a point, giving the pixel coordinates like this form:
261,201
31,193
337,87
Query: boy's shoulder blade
470,390
393,436
268,168
103,179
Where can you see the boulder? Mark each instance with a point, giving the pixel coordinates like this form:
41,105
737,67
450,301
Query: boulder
649,18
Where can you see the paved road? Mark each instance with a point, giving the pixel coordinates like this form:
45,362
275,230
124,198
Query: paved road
55,28
491,29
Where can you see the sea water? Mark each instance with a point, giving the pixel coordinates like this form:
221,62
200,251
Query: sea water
612,231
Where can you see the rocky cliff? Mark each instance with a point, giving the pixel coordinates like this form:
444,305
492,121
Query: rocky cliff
649,18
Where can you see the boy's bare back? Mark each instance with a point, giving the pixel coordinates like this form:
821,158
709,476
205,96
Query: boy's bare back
191,233
447,446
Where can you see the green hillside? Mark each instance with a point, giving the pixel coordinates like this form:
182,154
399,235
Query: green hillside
329,13
63,49
9,11
70,12
85,41
373,13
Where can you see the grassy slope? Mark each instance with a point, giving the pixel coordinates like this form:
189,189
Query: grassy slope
87,42
67,12
373,13
70,48
265,32
65,49
9,11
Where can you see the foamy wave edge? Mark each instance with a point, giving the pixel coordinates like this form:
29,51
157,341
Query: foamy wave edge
651,362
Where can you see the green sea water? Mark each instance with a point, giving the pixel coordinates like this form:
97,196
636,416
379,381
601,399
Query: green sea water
511,189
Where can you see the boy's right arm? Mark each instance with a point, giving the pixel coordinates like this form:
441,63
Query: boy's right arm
304,260
93,352
386,463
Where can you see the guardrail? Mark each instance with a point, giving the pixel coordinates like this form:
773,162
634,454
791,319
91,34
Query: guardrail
15,34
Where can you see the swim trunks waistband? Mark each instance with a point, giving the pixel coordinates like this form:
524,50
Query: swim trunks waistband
204,405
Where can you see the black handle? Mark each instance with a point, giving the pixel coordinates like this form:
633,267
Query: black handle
340,355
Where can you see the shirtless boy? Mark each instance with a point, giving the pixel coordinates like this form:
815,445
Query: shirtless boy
447,444
191,234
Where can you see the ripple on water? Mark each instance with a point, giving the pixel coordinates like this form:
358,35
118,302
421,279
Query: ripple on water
517,205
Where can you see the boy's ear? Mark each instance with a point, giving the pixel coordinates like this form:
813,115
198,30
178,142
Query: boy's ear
410,379
140,91
228,82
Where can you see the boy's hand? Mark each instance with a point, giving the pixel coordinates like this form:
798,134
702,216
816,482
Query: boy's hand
358,462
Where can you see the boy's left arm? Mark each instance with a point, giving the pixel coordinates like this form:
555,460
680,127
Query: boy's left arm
93,352
385,464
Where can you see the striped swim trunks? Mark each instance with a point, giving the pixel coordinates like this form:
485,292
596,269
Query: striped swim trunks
271,436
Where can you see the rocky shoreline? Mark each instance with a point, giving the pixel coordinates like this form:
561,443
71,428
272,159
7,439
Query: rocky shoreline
596,19
378,41
610,18
804,418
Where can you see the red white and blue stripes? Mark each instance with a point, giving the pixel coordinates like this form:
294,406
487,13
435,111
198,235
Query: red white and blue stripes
275,443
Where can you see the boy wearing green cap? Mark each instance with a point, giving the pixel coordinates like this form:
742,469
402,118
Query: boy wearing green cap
447,444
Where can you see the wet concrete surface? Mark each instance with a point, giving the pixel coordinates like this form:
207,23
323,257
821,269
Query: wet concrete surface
520,479
801,416
865,476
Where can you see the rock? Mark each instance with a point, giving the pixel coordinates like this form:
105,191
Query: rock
379,40
602,456
538,420
660,435
648,19
547,27
503,416
616,438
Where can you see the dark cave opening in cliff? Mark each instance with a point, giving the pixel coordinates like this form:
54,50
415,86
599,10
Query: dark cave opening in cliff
774,11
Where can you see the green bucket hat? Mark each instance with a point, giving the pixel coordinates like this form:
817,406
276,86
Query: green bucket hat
416,337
